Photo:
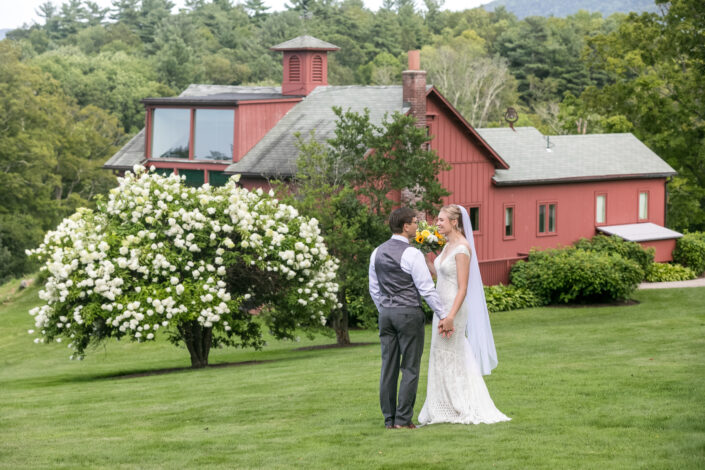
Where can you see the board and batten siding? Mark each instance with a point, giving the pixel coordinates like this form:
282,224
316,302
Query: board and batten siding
254,120
470,179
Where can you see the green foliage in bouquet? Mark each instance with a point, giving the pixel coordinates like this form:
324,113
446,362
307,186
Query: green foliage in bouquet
427,238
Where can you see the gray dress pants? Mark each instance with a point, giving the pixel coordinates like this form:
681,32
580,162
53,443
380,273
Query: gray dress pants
401,334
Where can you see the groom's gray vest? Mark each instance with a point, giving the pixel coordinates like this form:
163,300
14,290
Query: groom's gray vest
399,294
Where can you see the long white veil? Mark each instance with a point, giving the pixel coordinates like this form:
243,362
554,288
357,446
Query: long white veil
478,329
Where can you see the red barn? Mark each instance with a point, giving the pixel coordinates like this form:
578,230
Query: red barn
522,189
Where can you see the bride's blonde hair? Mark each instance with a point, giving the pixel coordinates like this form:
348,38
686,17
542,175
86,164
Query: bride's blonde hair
454,213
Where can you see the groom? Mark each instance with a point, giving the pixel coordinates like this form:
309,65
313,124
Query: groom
398,278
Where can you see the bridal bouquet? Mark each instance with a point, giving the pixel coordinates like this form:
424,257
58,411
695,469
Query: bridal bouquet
427,237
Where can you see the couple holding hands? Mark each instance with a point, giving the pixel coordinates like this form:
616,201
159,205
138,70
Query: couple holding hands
462,347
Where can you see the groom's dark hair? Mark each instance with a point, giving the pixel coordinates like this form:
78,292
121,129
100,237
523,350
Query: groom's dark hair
399,217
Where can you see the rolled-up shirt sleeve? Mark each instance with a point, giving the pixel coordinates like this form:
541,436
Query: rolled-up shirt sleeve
413,262
373,282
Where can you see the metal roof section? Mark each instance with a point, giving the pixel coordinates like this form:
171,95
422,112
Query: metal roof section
534,158
305,42
198,90
276,153
643,232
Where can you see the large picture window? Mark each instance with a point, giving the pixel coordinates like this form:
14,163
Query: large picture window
194,134
213,134
170,134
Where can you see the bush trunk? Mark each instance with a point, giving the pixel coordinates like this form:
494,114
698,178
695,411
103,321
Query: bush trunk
198,340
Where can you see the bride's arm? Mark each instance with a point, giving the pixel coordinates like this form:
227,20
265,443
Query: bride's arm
462,263
430,266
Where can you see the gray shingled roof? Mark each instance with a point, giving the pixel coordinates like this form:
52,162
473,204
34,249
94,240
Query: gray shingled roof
276,153
571,157
305,42
130,154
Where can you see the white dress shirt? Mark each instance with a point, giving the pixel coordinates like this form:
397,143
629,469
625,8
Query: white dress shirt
413,263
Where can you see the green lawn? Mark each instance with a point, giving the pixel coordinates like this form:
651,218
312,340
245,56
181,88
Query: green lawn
610,387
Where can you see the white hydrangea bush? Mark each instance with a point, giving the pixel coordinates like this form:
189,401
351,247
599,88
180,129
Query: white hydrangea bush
159,257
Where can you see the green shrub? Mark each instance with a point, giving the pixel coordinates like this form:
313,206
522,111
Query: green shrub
664,272
644,257
503,298
574,275
690,251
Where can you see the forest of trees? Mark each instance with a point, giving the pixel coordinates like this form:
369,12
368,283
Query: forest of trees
70,88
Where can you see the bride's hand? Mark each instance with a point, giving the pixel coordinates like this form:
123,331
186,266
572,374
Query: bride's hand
445,327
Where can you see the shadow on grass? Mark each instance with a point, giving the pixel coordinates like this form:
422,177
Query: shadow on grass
144,372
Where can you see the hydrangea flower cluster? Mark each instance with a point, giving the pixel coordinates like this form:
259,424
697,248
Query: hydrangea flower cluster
158,255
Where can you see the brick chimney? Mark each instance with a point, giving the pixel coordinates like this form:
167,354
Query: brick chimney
414,88
305,64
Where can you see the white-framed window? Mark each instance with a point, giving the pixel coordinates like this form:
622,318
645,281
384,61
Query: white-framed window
643,205
600,208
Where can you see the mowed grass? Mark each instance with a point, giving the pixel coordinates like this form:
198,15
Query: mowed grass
590,387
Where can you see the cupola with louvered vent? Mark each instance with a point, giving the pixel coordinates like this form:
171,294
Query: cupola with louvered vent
305,64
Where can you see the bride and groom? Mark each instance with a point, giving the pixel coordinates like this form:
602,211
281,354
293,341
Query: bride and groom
462,347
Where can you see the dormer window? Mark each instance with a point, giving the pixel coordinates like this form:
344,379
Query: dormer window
213,134
193,133
170,134
294,69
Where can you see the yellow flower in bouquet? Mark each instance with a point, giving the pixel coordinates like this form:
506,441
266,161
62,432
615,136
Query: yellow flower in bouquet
427,237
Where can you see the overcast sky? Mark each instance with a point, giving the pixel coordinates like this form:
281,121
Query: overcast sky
15,13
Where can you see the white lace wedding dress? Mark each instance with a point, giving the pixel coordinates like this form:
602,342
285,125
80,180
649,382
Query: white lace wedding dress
456,391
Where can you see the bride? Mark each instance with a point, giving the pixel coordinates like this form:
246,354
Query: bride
456,391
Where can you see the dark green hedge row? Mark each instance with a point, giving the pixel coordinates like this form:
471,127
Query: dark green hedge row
503,298
628,250
690,251
664,272
570,274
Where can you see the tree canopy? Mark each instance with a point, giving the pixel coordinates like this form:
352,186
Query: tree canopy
70,87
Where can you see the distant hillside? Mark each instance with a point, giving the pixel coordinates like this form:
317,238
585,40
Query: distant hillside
3,32
562,8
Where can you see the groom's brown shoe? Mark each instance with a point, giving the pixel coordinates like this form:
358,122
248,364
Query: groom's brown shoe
408,426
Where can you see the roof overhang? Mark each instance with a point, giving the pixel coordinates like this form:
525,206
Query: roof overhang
581,179
219,100
643,232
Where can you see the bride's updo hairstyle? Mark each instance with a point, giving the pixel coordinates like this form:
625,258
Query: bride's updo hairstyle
453,212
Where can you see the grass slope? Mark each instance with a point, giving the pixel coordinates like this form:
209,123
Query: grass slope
610,387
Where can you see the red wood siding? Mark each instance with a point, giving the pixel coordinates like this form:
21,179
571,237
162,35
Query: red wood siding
664,249
253,121
575,212
469,181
